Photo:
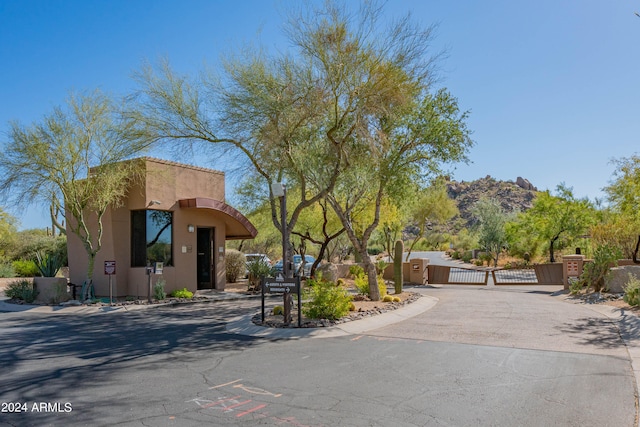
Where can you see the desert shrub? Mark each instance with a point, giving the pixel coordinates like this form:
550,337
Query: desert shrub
25,268
6,270
455,255
327,301
466,257
21,289
340,282
235,264
478,263
256,270
361,283
278,310
352,306
387,298
37,240
397,299
356,270
575,286
382,287
158,289
374,251
594,273
182,293
632,290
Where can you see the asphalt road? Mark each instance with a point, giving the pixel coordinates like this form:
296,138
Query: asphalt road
500,357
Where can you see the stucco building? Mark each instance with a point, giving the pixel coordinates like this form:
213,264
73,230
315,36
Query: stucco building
176,217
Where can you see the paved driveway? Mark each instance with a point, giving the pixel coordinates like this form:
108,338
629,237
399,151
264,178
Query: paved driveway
515,317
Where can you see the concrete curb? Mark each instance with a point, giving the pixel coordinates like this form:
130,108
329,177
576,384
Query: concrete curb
6,307
244,326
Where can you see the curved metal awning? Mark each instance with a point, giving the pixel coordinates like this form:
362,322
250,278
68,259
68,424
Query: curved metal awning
238,226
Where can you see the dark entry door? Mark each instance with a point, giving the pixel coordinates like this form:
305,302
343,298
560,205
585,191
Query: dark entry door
206,266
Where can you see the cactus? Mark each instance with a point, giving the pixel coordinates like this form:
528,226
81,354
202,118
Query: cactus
397,266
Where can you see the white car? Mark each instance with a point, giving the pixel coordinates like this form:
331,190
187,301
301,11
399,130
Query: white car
255,257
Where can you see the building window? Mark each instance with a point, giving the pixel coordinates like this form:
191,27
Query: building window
151,237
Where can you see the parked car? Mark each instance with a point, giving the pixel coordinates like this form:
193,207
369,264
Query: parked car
297,262
255,257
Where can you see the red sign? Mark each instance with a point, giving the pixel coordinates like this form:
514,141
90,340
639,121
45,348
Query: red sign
109,267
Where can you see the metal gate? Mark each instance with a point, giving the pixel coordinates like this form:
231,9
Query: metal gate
540,274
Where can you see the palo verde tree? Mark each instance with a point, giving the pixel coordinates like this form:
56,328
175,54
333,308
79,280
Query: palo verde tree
395,152
492,234
376,81
72,160
556,217
622,225
432,207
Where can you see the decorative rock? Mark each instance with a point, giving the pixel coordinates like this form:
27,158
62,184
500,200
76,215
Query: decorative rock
619,277
329,271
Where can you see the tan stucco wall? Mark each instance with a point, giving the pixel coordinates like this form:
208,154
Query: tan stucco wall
166,182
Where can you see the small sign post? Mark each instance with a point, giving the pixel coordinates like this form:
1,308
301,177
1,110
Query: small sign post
285,286
110,270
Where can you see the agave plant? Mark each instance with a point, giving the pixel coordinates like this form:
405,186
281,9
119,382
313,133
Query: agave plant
48,264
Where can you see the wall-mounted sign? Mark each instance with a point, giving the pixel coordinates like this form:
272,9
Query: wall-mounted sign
158,268
109,267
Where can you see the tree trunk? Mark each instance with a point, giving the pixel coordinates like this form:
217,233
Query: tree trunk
372,276
551,256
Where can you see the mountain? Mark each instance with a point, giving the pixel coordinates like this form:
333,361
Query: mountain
513,196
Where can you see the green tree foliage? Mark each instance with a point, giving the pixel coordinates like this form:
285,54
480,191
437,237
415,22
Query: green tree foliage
402,145
8,233
492,235
346,115
72,161
617,229
557,219
622,226
624,191
432,207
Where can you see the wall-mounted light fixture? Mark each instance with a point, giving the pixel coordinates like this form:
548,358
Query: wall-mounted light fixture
154,202
191,228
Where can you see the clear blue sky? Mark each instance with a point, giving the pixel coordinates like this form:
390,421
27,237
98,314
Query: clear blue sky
553,86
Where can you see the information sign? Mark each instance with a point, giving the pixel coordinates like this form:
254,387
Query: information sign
280,285
109,267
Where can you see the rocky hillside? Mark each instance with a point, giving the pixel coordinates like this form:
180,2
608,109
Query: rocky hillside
513,196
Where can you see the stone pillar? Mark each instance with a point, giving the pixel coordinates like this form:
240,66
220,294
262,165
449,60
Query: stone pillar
418,270
571,268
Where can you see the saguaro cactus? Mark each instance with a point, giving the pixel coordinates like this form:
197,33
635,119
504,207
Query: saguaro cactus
397,266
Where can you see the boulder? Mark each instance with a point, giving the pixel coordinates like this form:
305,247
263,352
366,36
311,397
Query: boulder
619,277
329,271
